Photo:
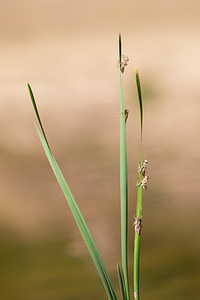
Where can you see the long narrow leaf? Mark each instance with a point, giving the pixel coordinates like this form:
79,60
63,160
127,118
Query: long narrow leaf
89,241
80,221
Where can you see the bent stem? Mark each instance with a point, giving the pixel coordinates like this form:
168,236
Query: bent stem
139,202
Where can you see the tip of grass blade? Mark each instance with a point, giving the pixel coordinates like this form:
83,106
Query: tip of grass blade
120,48
30,91
139,95
36,112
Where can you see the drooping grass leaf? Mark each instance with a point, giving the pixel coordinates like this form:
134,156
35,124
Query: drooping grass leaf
84,230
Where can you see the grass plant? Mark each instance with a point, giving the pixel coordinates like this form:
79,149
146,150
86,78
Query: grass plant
122,272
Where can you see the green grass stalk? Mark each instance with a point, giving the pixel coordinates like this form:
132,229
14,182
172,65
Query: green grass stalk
123,186
139,201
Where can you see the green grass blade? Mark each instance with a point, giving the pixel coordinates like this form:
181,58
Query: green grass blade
120,48
121,284
139,202
123,188
89,241
80,221
139,97
36,111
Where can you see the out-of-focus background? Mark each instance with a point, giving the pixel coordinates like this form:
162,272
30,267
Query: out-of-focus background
68,51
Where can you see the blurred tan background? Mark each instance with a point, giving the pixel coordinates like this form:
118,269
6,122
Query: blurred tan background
68,51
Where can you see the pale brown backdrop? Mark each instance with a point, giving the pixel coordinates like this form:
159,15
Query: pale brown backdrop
68,51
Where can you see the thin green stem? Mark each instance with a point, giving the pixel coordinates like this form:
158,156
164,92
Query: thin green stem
124,195
123,187
137,239
139,204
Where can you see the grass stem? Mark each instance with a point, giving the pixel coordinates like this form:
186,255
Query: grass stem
123,185
139,201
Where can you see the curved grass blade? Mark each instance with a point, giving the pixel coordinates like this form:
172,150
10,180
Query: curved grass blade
80,221
139,201
123,187
84,230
